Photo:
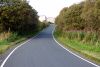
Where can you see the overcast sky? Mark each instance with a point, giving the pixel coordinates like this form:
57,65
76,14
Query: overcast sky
51,8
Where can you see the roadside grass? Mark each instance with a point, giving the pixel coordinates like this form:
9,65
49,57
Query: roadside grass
86,48
7,41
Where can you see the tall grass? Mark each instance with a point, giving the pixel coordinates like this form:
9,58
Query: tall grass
84,42
13,38
4,35
84,37
8,39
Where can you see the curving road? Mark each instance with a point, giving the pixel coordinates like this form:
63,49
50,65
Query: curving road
43,51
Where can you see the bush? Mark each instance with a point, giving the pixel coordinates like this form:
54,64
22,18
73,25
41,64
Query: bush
18,17
81,21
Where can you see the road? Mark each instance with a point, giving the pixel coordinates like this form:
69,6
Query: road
43,51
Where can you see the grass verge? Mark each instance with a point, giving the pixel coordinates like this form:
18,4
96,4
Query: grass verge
90,51
15,38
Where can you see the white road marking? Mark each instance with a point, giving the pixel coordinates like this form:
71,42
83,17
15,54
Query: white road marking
72,52
2,65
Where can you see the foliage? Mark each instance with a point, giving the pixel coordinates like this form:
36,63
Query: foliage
87,49
18,17
83,16
18,21
79,18
70,19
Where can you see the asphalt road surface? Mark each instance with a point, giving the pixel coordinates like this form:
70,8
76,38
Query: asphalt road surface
43,51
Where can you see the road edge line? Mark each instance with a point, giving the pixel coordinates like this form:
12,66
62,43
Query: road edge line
72,52
5,60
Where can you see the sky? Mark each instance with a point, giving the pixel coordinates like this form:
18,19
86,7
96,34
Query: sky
51,8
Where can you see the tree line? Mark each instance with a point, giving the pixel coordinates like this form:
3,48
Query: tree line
82,17
18,16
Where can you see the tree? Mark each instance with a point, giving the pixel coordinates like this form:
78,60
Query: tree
91,14
69,18
19,17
